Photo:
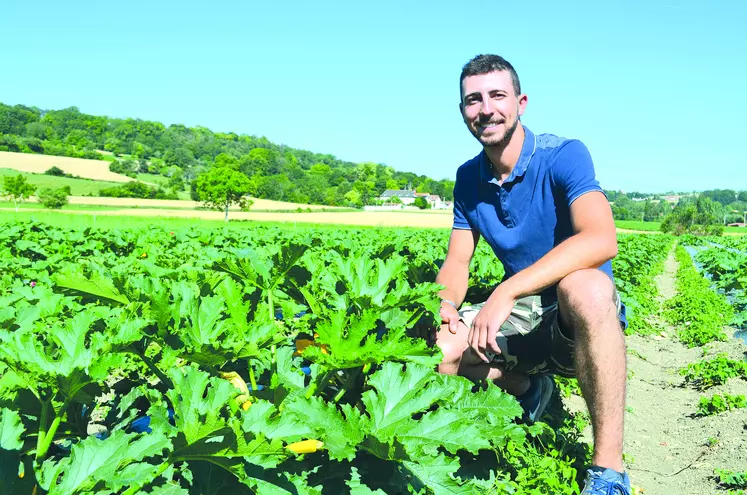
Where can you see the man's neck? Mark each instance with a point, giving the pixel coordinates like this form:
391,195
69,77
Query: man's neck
505,158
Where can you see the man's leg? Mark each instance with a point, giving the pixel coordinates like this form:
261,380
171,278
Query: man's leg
460,360
585,299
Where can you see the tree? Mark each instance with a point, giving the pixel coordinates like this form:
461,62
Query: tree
653,211
422,203
699,216
181,157
56,171
17,189
176,181
221,187
392,184
54,198
354,198
723,196
627,209
259,161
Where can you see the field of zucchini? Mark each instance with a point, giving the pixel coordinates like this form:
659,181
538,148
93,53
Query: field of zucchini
260,361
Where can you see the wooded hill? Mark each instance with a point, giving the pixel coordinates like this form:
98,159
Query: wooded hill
276,171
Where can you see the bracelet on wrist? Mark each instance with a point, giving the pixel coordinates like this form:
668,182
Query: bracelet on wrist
450,302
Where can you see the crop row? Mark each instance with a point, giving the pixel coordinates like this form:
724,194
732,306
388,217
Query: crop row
699,313
257,361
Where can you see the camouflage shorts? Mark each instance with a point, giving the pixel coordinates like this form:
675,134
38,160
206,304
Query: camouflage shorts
532,340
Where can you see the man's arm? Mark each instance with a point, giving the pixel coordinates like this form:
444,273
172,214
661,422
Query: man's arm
593,244
454,273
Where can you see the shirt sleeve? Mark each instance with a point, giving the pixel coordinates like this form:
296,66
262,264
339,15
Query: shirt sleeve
460,219
573,172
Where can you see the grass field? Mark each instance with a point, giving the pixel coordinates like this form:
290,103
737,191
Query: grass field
78,187
118,213
638,225
83,218
79,167
114,215
370,219
156,179
656,227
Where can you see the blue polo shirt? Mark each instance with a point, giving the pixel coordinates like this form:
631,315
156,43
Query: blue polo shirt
529,214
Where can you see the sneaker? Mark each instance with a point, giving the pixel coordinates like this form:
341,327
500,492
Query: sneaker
606,482
534,401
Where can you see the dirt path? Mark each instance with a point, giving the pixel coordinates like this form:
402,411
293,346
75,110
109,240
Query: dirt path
668,451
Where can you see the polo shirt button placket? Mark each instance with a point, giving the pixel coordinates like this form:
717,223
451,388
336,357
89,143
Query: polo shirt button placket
504,206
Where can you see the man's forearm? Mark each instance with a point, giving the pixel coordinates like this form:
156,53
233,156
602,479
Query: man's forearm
455,278
581,251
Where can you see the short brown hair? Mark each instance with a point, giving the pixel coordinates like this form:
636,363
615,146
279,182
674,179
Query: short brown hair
485,64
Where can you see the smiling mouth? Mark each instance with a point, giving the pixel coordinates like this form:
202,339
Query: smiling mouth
490,125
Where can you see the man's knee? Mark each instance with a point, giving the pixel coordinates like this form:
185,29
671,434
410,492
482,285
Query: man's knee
452,347
586,292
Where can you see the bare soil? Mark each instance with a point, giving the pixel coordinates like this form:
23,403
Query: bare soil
668,450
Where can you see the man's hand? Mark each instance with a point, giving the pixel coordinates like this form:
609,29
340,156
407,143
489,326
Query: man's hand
449,315
488,321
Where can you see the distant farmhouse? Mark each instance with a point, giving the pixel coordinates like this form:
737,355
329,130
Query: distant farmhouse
433,199
406,198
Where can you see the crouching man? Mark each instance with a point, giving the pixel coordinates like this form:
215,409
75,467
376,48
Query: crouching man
535,199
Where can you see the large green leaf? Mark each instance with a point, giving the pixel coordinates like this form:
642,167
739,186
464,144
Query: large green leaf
94,285
11,430
438,475
165,490
199,403
450,430
209,426
351,341
398,394
358,488
92,461
341,432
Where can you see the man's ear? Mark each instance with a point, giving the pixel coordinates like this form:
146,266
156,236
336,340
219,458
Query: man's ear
522,104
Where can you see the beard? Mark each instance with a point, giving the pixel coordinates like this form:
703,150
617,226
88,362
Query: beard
497,141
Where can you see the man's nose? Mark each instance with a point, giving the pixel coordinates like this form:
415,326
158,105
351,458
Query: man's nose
485,107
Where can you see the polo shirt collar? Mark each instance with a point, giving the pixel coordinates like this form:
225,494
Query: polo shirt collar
527,151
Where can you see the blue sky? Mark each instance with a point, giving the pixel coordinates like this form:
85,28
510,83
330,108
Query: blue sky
656,89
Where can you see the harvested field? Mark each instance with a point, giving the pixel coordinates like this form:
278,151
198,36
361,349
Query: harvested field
259,204
38,164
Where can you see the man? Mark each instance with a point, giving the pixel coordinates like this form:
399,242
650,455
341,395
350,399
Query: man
535,200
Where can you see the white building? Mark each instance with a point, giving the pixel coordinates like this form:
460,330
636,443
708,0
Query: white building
406,197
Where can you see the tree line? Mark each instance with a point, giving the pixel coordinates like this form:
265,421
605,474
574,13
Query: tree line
273,171
723,205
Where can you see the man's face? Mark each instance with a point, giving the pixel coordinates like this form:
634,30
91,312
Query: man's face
490,107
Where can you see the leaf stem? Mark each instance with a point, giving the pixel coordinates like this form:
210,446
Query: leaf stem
161,376
347,384
270,304
48,437
318,384
252,380
43,426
